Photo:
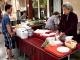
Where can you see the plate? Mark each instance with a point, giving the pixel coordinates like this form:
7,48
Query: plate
68,37
46,35
41,31
63,49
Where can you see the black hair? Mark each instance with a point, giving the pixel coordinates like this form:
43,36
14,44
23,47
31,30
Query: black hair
7,6
56,13
24,11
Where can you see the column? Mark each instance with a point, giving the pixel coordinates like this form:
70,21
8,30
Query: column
14,6
48,9
61,7
39,9
30,9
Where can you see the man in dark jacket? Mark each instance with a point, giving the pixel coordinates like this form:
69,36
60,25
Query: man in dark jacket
69,21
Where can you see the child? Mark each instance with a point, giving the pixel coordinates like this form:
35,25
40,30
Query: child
7,31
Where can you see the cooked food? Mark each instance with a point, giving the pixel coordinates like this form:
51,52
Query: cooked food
71,44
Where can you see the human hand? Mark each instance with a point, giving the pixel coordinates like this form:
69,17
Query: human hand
14,30
62,33
57,32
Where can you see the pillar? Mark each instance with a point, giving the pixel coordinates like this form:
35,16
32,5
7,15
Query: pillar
29,8
39,9
48,9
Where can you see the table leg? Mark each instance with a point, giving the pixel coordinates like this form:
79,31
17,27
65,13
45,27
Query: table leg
24,56
19,52
68,57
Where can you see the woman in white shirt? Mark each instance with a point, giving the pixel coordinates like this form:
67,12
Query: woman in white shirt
53,21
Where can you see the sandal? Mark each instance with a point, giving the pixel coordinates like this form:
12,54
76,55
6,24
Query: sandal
12,56
7,57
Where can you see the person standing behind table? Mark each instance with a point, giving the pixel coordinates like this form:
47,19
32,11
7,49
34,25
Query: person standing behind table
69,21
7,31
24,15
53,21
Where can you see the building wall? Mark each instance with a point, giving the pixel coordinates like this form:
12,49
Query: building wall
57,5
76,6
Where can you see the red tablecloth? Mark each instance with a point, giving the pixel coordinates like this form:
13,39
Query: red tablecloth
32,48
53,50
43,37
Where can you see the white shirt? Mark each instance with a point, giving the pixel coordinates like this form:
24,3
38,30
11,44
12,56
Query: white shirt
52,21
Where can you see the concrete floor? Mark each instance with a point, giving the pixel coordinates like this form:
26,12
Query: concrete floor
2,49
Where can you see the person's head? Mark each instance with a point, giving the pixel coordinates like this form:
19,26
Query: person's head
67,8
56,13
24,13
8,8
